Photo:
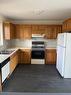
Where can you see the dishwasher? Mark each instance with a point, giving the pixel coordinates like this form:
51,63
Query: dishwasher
5,69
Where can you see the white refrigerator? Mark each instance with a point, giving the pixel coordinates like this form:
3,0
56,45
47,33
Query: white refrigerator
63,64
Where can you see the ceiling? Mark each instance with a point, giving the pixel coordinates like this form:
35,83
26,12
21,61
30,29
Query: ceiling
35,9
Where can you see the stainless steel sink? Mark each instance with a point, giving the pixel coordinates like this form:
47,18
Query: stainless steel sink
6,51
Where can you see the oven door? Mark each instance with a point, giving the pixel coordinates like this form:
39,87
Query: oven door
38,54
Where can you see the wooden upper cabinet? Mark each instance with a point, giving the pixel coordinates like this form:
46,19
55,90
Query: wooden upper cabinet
19,31
27,31
9,30
38,29
52,31
23,31
66,25
35,29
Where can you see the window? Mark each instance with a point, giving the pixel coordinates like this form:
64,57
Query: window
1,33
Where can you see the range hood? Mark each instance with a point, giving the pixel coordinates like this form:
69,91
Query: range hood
38,35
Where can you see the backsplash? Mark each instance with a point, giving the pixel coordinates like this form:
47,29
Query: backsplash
21,43
51,43
28,43
6,44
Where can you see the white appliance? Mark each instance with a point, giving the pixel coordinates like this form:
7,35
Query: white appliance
5,71
38,35
64,54
38,47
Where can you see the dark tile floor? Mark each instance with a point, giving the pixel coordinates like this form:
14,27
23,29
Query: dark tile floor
37,78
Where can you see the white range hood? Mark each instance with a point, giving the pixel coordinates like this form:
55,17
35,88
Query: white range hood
38,35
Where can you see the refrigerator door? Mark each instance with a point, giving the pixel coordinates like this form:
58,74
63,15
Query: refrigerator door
67,72
61,39
60,60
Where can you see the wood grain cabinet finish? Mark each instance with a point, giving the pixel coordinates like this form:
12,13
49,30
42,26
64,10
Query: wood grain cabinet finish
50,56
67,25
26,31
25,56
18,31
38,29
23,31
9,30
13,61
52,31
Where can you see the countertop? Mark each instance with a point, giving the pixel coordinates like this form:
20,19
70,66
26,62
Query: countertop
50,48
30,48
5,56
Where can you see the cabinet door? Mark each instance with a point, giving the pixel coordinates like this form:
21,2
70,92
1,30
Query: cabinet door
35,29
12,31
8,31
27,32
42,29
48,33
52,31
58,30
25,56
50,56
69,26
23,31
17,31
13,62
66,27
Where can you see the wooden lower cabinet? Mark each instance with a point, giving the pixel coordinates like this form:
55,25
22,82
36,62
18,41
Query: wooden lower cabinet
50,56
25,56
13,62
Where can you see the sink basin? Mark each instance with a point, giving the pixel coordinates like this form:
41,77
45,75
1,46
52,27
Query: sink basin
6,51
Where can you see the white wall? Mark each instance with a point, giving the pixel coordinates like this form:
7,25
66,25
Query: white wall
1,33
45,22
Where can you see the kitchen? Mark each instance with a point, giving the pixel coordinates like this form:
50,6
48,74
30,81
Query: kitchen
21,51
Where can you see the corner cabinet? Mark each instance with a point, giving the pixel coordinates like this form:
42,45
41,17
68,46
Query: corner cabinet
25,56
50,56
52,31
67,25
9,32
13,61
